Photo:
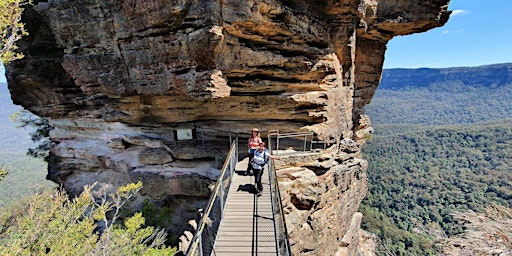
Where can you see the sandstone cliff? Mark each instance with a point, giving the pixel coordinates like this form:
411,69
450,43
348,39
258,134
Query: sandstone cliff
154,90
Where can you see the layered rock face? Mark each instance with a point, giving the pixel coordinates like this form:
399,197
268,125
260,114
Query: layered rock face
320,196
155,90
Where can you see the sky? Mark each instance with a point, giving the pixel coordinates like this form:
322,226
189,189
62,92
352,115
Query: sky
477,33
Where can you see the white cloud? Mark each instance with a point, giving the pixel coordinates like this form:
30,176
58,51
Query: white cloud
452,31
459,12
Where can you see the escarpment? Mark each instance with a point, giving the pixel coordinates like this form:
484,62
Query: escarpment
155,90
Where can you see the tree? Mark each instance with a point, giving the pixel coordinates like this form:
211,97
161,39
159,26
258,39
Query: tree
40,133
12,28
53,224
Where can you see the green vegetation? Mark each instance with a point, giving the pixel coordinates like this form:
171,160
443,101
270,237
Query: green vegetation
419,179
52,224
3,172
391,239
40,127
25,213
155,215
441,104
11,28
439,150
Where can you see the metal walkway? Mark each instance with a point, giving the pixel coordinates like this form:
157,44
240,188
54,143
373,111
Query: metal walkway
248,224
236,221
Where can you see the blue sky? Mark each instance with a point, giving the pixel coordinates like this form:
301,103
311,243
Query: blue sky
477,33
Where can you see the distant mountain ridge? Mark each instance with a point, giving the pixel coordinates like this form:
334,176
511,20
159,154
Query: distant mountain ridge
458,95
488,76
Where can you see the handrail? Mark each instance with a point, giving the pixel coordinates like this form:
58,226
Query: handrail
202,242
307,137
281,233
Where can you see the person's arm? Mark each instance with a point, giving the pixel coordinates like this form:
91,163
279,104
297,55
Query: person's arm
272,156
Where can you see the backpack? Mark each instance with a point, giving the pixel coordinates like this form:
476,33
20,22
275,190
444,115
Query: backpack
260,159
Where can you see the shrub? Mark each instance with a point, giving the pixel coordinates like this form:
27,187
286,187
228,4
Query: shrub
11,28
3,172
52,224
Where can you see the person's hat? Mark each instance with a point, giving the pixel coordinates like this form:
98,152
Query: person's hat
255,130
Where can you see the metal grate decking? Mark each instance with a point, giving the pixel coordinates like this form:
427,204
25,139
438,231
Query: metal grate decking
248,224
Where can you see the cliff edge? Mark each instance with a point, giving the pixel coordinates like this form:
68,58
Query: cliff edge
154,90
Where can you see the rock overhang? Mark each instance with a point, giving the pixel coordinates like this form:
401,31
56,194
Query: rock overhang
121,81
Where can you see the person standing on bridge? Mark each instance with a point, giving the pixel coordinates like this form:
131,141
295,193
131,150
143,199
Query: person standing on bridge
254,144
259,160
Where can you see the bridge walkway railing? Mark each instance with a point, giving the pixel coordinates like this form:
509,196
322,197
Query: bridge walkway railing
236,221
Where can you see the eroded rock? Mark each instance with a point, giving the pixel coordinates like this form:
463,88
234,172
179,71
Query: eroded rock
121,80
155,156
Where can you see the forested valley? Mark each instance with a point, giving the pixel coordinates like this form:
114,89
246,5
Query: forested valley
440,150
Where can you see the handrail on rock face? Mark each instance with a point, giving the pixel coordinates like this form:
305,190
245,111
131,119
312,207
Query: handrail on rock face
281,233
204,238
293,140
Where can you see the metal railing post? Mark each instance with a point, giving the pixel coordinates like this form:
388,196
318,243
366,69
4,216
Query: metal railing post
311,143
269,143
233,165
200,246
236,139
305,138
222,199
277,143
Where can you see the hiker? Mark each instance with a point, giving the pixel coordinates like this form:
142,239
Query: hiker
259,160
254,144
